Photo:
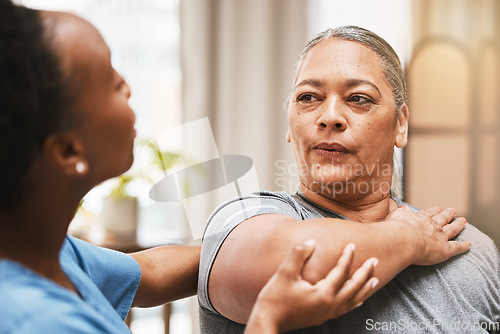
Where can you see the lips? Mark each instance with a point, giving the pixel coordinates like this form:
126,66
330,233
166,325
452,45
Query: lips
332,147
333,151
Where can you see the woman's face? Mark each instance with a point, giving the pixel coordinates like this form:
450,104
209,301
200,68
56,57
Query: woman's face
107,121
342,121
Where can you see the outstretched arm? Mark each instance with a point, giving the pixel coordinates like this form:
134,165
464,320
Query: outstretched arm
288,301
253,250
168,273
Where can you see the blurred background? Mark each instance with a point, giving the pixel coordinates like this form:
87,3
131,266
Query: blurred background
233,61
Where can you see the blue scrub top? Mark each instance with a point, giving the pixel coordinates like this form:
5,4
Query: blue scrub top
105,279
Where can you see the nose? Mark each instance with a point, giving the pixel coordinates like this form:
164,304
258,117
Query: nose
331,116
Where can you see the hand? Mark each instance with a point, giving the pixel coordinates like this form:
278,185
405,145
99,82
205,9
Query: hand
288,302
435,228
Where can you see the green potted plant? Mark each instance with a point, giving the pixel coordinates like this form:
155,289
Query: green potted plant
120,212
119,216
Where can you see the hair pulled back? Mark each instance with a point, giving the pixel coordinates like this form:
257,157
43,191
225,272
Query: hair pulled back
34,96
391,65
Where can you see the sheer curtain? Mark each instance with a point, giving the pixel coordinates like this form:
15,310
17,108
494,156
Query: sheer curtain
238,59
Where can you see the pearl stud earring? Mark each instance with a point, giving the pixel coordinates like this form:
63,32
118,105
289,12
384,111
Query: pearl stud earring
80,167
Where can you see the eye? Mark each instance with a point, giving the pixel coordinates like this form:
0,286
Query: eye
306,98
360,99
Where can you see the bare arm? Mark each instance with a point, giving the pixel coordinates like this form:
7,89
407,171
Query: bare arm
287,301
167,273
253,251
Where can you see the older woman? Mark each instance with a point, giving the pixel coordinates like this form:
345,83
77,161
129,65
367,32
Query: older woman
347,112
66,126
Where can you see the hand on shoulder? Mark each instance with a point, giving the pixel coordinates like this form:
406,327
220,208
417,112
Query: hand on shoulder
434,230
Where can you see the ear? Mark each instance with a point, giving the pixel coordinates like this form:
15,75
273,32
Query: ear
402,126
288,136
65,152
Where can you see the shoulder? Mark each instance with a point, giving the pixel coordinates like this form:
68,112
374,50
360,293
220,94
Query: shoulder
231,213
258,202
22,289
114,274
93,259
481,264
55,318
60,317
481,243
472,278
483,250
33,304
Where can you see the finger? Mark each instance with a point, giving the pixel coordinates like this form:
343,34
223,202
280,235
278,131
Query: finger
455,227
365,292
445,216
458,247
358,280
403,208
431,212
340,273
296,257
346,257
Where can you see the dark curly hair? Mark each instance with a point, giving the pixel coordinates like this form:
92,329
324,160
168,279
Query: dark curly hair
34,96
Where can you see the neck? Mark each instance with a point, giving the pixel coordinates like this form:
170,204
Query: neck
33,233
372,207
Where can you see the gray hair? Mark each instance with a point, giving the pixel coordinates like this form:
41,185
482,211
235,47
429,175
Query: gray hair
391,67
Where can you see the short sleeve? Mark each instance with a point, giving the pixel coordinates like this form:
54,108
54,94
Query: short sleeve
227,217
116,275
